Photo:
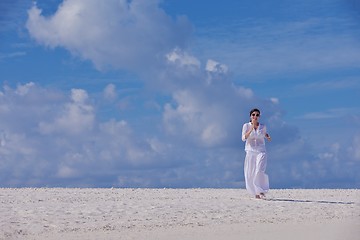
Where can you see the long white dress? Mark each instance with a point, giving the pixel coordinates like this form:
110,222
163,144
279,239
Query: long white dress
256,180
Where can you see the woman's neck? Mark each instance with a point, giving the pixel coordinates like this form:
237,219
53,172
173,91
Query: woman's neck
256,124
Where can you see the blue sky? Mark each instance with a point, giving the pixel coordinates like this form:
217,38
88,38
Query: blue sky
154,93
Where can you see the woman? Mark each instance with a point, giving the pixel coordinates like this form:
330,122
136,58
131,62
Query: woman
254,133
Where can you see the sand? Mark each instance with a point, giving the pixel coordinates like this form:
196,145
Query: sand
225,214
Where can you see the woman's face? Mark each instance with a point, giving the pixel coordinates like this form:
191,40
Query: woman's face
255,115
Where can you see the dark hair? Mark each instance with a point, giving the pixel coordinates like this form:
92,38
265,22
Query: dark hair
254,110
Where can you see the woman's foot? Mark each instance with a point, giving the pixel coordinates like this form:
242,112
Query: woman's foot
260,196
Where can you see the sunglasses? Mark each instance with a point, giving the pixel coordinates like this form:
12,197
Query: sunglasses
255,114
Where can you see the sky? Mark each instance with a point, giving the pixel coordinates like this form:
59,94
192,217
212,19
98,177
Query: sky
154,93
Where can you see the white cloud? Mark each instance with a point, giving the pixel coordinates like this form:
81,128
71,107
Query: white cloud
110,92
195,118
245,92
182,58
274,100
4,56
24,89
205,104
75,117
79,96
114,153
121,34
67,142
213,66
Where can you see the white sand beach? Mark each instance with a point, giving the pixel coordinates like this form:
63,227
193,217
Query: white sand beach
226,214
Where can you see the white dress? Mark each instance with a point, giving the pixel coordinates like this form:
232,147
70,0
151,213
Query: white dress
257,181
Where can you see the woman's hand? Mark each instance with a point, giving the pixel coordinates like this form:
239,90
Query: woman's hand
247,134
267,136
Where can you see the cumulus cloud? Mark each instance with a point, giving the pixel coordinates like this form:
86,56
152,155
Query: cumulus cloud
61,138
43,150
213,66
61,141
75,117
182,58
195,119
202,109
120,34
110,92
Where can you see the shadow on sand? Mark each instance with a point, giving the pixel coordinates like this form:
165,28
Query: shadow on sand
307,201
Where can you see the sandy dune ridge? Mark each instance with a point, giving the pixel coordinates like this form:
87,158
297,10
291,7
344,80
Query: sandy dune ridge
114,213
